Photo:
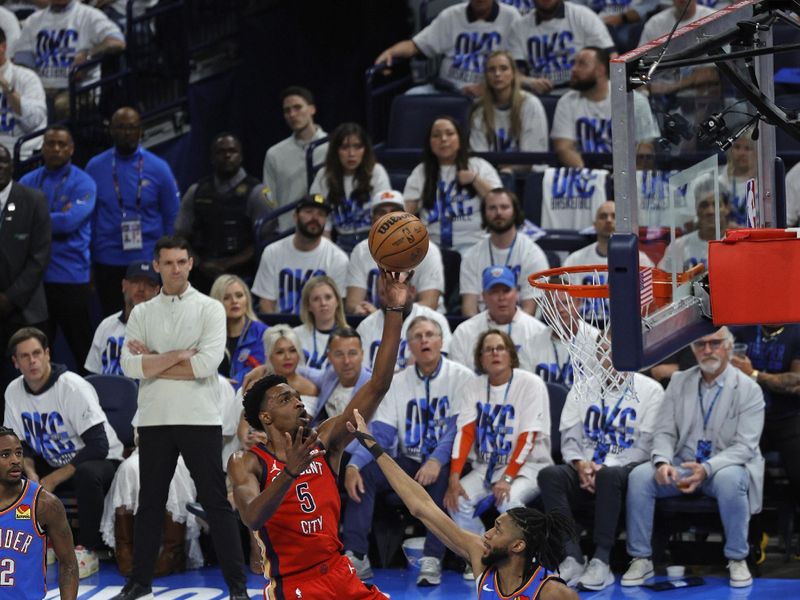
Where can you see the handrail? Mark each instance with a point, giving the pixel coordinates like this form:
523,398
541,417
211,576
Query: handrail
371,91
310,171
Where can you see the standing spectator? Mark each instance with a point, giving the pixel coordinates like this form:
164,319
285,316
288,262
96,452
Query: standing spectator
447,188
23,108
502,216
363,272
61,37
137,200
321,312
70,193
500,295
24,255
285,172
286,265
546,41
417,423
140,284
220,216
48,403
463,35
174,344
349,178
244,349
582,121
706,441
507,119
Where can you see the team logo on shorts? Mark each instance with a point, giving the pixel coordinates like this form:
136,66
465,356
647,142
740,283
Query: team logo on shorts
23,512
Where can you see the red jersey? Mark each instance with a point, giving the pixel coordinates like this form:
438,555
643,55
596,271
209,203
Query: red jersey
304,532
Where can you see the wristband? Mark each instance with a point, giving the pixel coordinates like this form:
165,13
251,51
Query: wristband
375,449
394,308
289,473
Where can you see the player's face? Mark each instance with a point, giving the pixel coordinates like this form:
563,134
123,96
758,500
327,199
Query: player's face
311,221
10,459
499,73
351,153
712,352
501,302
495,357
500,540
346,356
226,157
499,213
57,149
322,303
425,342
444,141
139,289
235,301
174,266
285,409
584,71
298,113
605,221
284,357
33,362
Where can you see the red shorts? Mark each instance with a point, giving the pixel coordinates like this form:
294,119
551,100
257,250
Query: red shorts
335,578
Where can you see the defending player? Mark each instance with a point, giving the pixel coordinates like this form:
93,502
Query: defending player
286,491
513,557
29,515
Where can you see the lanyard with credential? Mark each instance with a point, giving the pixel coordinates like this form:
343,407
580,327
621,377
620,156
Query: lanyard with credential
316,362
707,413
57,192
139,185
508,256
429,433
487,482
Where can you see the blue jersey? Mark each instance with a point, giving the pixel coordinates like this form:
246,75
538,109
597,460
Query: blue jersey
22,548
487,586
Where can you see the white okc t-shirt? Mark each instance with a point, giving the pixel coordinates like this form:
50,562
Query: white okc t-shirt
103,357
315,345
691,250
532,138
661,23
551,357
571,197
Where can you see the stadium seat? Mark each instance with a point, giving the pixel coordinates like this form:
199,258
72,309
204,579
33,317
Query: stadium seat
557,394
411,117
532,198
451,261
118,396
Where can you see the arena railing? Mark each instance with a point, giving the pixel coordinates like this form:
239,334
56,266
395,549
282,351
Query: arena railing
29,163
379,89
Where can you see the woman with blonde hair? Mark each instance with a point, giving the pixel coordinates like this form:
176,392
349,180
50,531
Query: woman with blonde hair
284,354
243,349
506,118
321,311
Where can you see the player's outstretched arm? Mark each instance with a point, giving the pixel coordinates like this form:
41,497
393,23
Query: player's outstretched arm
52,518
464,543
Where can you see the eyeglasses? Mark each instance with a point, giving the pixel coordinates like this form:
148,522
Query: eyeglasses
494,349
713,344
428,335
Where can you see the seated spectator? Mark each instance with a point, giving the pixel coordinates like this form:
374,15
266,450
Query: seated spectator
416,422
284,354
362,271
461,35
692,248
503,431
371,328
70,193
23,108
602,439
140,284
322,312
502,312
582,121
620,12
285,173
448,187
348,180
742,166
286,265
706,440
523,6
507,119
48,403
662,22
141,213
222,215
244,348
545,42
61,37
502,216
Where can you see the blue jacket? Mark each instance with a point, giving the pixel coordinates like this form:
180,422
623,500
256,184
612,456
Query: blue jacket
159,205
327,381
249,352
70,194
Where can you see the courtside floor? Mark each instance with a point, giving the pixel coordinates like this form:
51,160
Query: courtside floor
207,584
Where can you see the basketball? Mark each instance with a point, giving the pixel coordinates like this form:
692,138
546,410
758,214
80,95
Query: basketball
398,241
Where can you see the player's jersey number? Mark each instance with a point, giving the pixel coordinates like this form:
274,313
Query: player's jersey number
7,568
307,504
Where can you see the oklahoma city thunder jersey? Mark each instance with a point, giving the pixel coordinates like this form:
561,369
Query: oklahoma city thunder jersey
22,548
487,586
304,531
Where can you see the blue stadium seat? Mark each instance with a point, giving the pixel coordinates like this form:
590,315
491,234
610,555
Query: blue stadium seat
451,261
532,198
549,103
557,394
398,179
411,117
118,400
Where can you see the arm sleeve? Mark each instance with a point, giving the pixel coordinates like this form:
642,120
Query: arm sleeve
317,186
477,137
563,121
430,273
32,101
23,288
134,330
534,126
358,270
94,360
462,444
487,171
385,435
432,40
444,448
415,183
211,346
468,279
102,28
522,449
380,179
169,199
571,443
265,284
82,200
185,219
96,447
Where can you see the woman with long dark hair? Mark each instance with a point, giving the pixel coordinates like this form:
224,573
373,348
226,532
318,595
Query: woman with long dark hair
448,187
348,180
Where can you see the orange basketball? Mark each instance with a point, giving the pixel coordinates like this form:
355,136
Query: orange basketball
398,241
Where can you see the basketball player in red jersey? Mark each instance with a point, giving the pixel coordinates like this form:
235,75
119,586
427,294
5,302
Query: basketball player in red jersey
515,558
286,490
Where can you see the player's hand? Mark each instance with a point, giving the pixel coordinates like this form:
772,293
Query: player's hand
396,286
257,373
300,452
666,474
136,347
691,482
428,472
454,491
501,491
353,484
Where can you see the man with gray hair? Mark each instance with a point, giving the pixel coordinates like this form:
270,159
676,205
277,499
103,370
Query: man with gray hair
706,441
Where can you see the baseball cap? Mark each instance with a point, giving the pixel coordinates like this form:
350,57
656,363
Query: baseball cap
314,201
142,270
392,197
498,275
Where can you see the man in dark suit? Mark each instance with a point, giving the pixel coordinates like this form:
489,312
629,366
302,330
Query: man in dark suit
24,254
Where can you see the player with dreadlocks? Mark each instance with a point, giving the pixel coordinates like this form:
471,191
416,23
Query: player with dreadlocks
515,557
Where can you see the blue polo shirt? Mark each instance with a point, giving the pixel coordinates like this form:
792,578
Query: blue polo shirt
70,193
156,210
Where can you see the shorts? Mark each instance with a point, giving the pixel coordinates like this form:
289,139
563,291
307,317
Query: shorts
335,578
